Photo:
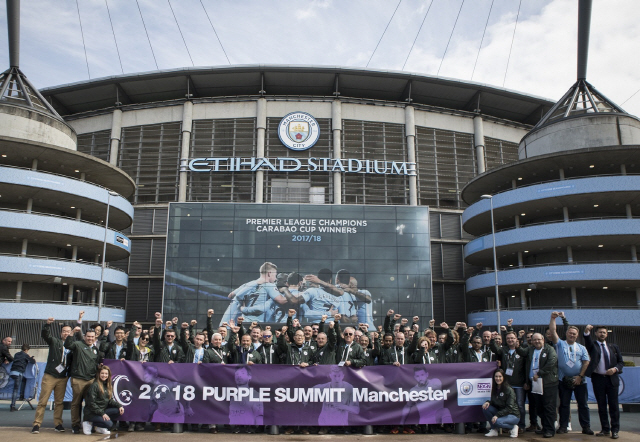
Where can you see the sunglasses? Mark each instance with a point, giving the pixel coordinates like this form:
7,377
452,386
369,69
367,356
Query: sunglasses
348,334
139,328
315,329
144,339
266,336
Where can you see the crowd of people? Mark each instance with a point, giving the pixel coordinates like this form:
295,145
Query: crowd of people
544,369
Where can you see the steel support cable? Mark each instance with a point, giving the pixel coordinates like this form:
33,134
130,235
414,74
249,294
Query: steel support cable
385,30
214,31
147,32
416,39
633,95
181,35
513,37
482,40
447,48
114,35
83,44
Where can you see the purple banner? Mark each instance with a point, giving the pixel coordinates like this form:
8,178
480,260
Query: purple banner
325,395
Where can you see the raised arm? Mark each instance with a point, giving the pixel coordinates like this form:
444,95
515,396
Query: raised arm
552,328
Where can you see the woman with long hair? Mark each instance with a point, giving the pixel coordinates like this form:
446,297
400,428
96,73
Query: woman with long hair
100,410
502,410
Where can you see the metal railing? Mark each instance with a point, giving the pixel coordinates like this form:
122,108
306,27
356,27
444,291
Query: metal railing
28,331
52,258
558,180
62,176
562,221
554,308
40,301
482,272
61,217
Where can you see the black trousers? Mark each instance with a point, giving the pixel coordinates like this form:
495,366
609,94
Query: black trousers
580,393
545,406
533,414
606,393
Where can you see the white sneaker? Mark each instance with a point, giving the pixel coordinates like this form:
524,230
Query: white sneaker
102,430
569,427
514,431
557,425
492,433
86,428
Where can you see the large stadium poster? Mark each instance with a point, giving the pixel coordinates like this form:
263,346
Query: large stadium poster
260,260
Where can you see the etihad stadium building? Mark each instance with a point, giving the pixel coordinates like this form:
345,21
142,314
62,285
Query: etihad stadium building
192,137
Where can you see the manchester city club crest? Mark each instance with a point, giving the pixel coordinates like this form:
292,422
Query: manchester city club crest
466,388
299,131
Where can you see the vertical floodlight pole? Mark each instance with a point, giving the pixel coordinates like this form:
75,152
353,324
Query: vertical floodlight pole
13,27
104,252
495,258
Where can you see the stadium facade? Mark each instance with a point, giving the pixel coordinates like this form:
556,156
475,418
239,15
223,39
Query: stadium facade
160,128
190,136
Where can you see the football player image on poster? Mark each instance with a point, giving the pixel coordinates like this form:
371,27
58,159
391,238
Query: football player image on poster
244,411
431,412
164,407
337,413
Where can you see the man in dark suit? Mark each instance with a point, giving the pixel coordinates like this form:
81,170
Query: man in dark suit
605,368
542,363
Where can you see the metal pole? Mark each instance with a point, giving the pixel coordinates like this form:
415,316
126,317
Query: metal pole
495,263
584,28
104,252
13,27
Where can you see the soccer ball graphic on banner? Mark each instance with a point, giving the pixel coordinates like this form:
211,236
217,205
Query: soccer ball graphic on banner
161,392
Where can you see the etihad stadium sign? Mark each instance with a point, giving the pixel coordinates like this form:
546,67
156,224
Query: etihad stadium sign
298,131
287,164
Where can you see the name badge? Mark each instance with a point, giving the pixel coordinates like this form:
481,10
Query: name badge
341,364
509,372
570,363
60,368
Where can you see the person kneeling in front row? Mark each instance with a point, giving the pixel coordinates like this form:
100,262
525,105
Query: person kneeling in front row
100,410
502,410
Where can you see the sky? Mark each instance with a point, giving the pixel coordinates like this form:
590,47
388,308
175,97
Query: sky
538,59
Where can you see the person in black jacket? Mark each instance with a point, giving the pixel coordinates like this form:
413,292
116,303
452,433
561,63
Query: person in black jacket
56,375
542,363
513,360
168,350
19,366
502,410
5,355
116,349
100,409
605,368
83,369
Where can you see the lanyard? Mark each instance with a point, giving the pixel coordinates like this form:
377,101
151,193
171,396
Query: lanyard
345,353
571,352
218,354
396,350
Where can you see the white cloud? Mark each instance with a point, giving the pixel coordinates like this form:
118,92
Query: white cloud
344,33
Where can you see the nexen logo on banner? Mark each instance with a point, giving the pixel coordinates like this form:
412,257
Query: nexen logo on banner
298,131
473,391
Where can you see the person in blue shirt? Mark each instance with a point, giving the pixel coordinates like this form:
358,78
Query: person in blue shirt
573,361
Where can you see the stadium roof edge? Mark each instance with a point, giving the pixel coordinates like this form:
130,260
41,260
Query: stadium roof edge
296,80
